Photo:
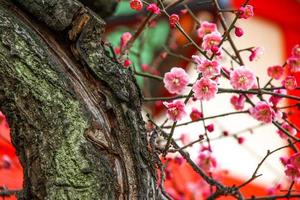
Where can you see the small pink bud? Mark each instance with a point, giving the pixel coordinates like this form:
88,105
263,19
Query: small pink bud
225,133
195,114
210,128
173,20
153,8
238,31
127,63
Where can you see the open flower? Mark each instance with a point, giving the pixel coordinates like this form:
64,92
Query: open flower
209,68
294,64
292,172
205,89
245,12
296,51
136,5
275,72
242,78
212,41
176,110
176,80
290,83
206,28
262,112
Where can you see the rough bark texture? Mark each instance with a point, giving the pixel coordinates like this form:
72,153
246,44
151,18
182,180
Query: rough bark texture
75,115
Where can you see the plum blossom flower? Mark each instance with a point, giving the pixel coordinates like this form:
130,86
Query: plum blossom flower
238,31
295,160
206,161
173,20
256,53
238,102
195,114
205,89
176,110
296,51
290,82
153,8
245,12
288,128
136,5
262,112
242,78
212,41
275,72
125,37
276,99
209,68
176,80
294,64
292,172
206,28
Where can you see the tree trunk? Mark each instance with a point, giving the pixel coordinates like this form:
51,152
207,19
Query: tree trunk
74,113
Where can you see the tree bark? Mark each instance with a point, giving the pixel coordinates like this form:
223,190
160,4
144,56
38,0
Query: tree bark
74,113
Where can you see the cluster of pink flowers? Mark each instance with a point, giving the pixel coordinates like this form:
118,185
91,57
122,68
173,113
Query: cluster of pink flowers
242,78
263,112
175,110
292,166
176,80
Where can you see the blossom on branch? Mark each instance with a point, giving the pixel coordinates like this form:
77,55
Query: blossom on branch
206,28
176,80
136,5
205,89
242,78
262,112
176,110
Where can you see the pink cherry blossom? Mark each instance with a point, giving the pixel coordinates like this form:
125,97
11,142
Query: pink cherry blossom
290,83
275,72
153,8
256,53
276,99
288,128
292,172
209,68
136,5
245,12
294,64
238,102
295,160
296,51
125,37
176,80
242,78
176,110
195,114
212,41
173,20
262,112
238,31
205,89
206,28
